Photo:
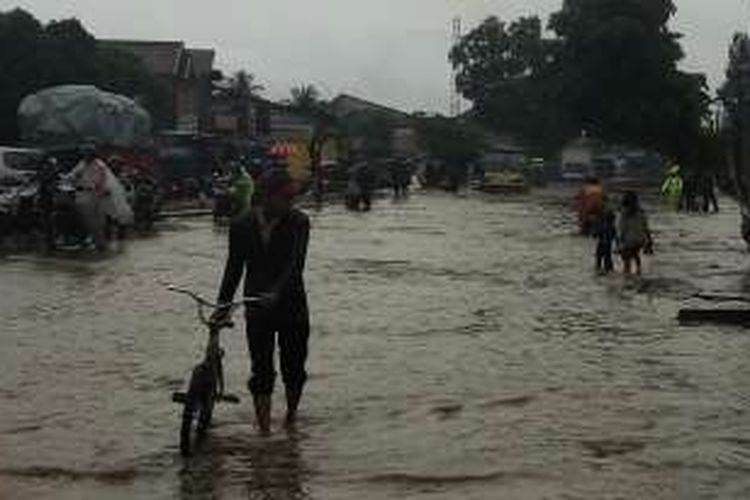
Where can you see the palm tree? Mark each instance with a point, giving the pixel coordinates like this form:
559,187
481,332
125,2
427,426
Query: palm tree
305,98
306,101
238,91
242,85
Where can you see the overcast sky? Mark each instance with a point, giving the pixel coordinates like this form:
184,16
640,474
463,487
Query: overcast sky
390,51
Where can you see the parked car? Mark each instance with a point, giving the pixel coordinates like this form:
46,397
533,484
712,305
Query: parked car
504,179
504,182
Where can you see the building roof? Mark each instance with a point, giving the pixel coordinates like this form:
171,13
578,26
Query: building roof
161,58
202,61
168,57
346,104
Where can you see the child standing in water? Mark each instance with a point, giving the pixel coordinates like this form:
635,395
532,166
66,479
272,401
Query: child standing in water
606,235
634,234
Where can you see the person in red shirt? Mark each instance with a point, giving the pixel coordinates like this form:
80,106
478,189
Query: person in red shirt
589,202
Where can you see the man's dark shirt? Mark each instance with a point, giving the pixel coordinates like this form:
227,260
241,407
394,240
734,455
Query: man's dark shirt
276,266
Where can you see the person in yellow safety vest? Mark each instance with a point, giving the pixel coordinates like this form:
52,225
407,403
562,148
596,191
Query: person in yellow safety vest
673,187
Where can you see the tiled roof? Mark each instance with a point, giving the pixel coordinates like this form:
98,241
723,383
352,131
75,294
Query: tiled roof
202,61
163,58
345,104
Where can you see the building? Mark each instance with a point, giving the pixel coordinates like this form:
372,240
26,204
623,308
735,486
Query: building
345,105
403,135
186,72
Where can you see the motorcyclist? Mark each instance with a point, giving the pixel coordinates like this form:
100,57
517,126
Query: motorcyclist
90,181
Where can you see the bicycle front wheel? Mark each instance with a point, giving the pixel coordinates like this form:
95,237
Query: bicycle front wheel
196,417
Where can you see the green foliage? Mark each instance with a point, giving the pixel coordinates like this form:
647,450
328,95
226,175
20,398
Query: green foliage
611,71
34,57
237,93
123,73
306,101
240,88
20,72
735,93
369,133
455,143
510,72
620,77
68,53
735,97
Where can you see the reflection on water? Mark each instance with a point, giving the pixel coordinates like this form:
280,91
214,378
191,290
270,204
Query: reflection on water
244,467
462,348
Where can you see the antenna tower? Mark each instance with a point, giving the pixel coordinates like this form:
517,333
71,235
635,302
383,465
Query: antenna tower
455,97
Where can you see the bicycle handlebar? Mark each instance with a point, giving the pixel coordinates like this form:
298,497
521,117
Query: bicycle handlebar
201,302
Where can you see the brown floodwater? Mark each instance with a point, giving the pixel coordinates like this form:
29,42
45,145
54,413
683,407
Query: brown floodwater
462,348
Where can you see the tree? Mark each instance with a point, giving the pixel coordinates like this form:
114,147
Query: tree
68,53
735,96
510,72
455,143
369,134
123,73
35,57
20,71
238,92
63,52
620,81
611,71
305,98
306,101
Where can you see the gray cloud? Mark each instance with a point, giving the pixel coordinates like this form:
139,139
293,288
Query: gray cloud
392,51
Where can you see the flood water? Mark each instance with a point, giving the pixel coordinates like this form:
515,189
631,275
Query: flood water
462,348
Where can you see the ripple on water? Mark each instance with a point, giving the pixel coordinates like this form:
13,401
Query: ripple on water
460,349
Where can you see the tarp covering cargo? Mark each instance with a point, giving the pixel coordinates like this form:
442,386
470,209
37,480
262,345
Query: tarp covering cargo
83,113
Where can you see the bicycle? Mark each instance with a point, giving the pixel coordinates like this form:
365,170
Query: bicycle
206,386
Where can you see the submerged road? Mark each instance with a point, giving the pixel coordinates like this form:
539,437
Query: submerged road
461,348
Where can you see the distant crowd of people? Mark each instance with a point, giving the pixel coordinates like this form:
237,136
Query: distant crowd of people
363,179
695,193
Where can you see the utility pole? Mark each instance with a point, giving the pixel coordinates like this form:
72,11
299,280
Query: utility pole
455,97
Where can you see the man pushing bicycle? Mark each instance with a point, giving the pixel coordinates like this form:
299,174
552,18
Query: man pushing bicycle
269,247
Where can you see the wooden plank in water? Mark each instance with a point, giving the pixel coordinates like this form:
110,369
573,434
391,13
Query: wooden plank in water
724,316
721,297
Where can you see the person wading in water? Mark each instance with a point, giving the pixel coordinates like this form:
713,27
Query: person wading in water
269,247
634,233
